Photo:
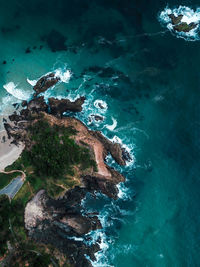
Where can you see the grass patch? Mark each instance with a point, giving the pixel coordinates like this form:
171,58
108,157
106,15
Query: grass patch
5,179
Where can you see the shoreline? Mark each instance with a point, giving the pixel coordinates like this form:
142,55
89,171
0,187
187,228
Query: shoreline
9,153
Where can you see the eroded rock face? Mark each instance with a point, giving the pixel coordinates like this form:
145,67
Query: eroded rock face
58,107
114,149
45,82
56,222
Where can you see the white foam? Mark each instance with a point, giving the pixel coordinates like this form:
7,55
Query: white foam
112,126
64,75
31,82
123,191
189,16
100,103
12,89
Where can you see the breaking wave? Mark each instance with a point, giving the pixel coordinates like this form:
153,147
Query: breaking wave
189,16
31,82
64,75
12,89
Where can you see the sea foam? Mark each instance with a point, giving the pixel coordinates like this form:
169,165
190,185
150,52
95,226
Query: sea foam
12,89
64,75
189,16
112,126
101,105
31,82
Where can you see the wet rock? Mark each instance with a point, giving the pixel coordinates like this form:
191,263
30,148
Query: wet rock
175,19
103,185
96,118
114,149
184,27
37,105
45,82
181,26
24,103
126,156
58,107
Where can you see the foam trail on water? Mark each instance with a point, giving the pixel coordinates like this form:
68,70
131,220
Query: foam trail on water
112,126
31,82
12,89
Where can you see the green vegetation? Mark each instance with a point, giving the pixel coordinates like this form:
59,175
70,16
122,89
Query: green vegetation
54,152
12,230
54,163
6,178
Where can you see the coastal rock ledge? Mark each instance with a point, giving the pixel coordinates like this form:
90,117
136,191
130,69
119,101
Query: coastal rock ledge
59,221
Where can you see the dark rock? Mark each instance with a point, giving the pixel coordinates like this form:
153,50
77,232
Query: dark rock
37,105
184,27
57,222
181,26
175,19
97,117
45,82
114,149
58,107
28,50
100,184
125,154
15,117
16,105
4,62
24,103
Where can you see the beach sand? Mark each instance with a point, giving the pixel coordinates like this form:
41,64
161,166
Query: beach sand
8,152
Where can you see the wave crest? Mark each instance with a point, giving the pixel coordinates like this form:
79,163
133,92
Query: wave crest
189,16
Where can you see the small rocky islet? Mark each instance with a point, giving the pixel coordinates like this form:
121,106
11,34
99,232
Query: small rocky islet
53,218
180,26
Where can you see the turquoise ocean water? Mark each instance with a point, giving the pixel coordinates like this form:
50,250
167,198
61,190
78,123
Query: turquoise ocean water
118,52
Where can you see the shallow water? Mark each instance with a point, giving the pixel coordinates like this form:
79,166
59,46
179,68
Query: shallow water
121,54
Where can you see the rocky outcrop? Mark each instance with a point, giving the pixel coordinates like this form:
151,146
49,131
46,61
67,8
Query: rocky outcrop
59,222
180,26
58,107
45,82
101,184
115,149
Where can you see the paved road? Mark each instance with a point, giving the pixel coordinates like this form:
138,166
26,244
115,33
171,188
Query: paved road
13,187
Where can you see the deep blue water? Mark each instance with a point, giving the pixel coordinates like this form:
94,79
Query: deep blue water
118,52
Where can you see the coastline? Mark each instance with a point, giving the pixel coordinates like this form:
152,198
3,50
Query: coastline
9,153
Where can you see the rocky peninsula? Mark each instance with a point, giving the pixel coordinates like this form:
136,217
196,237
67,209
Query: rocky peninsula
63,161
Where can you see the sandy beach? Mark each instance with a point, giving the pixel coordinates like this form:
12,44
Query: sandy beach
8,152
